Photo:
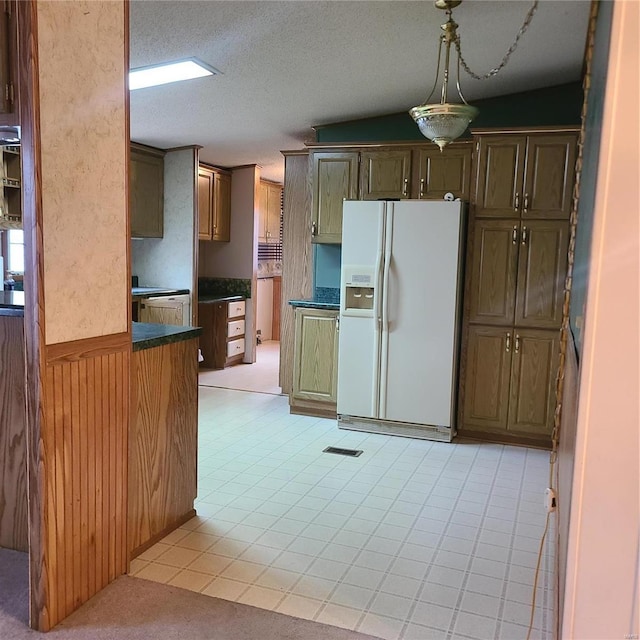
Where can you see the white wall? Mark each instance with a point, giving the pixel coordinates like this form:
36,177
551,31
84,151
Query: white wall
601,590
169,261
239,257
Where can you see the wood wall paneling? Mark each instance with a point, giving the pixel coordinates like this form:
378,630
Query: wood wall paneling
297,261
13,437
163,440
84,465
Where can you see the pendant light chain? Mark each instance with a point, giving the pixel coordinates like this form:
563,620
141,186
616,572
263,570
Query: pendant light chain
512,48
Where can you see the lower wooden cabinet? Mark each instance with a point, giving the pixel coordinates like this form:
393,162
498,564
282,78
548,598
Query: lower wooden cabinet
509,383
315,363
222,342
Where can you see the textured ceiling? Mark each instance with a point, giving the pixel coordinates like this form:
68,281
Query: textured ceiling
286,66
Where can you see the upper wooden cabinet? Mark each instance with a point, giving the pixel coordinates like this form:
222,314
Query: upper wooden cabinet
214,204
394,173
517,272
385,174
529,176
270,210
8,64
334,179
436,172
146,192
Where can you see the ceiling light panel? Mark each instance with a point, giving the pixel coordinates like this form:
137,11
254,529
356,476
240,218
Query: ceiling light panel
157,74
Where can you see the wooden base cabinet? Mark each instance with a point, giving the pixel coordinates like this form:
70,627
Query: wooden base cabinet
222,342
509,383
315,364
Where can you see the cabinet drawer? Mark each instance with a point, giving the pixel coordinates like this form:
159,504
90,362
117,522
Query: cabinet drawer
235,347
235,328
236,309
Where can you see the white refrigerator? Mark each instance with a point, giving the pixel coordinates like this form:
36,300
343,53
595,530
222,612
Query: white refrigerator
400,307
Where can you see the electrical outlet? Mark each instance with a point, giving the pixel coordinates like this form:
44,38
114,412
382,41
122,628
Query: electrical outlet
550,500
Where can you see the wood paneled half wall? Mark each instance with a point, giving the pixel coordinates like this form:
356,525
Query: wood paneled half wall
84,464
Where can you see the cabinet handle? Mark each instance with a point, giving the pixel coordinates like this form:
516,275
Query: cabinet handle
337,323
405,188
517,349
526,203
524,235
508,346
514,234
421,187
517,202
314,229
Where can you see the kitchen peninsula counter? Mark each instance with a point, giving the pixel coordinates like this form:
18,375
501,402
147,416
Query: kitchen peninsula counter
146,335
11,303
315,304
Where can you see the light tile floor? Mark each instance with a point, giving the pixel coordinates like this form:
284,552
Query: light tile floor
413,539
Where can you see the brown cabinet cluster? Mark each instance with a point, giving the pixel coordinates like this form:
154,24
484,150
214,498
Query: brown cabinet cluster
146,191
214,204
8,63
517,262
411,171
222,342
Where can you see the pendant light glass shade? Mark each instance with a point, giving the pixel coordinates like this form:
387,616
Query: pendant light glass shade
443,122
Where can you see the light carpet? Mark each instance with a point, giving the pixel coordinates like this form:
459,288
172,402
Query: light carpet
261,377
135,609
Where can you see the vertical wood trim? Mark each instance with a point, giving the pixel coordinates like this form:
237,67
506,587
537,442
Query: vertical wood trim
297,267
41,602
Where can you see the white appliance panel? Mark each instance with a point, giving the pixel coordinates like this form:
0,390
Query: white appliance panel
421,302
359,339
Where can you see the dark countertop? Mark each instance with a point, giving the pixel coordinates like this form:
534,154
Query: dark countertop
151,292
315,304
206,298
11,303
146,335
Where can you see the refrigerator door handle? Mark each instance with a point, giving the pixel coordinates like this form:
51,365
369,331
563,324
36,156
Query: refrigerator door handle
384,342
375,391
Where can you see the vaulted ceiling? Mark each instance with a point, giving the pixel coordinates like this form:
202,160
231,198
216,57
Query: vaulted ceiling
289,65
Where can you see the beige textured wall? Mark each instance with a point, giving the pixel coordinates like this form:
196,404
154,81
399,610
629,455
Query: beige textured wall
603,563
84,167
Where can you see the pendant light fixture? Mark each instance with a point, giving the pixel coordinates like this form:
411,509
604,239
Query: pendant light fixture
445,121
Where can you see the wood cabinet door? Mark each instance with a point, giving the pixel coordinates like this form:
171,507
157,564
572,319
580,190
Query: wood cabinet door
486,380
549,178
161,311
534,369
263,211
146,194
385,174
334,179
315,367
274,213
500,162
542,269
494,263
222,207
205,204
436,172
